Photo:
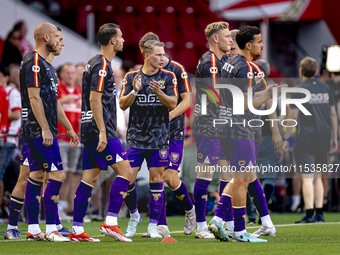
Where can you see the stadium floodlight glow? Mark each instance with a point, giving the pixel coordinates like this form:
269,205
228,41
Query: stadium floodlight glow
333,59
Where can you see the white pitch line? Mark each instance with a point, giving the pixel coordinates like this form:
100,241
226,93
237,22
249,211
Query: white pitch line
178,232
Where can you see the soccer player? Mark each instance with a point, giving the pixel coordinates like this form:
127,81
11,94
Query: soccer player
150,92
238,140
234,49
209,151
18,193
102,148
175,149
317,136
40,113
6,149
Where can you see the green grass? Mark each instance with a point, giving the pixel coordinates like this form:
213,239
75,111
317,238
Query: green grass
291,239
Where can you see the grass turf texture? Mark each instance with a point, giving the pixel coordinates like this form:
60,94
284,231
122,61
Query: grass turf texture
315,238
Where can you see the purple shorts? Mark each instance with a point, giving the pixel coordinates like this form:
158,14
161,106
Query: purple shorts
154,158
24,153
41,157
176,154
240,152
209,150
113,153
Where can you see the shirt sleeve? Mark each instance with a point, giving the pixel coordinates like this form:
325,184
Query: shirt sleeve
14,100
127,84
183,84
34,70
99,75
171,85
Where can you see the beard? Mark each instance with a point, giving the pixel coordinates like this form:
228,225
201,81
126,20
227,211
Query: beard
51,47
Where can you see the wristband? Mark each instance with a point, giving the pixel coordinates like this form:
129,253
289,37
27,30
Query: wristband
134,92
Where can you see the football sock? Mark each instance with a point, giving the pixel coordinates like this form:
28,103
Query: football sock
181,192
152,225
239,218
201,226
223,206
230,225
223,183
32,201
318,211
59,227
268,191
267,222
77,229
15,207
156,201
34,229
81,202
256,193
309,212
51,197
162,215
131,198
218,219
201,197
111,220
118,193
57,220
135,214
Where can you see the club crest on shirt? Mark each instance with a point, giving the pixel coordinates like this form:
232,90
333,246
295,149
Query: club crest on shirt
174,157
163,154
161,84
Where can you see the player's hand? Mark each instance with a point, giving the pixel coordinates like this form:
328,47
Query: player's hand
47,138
137,83
269,90
334,146
277,140
154,86
280,154
102,142
74,138
279,88
285,146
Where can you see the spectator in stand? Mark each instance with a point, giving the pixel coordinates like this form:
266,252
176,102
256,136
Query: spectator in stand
6,149
70,98
14,113
26,46
122,119
12,49
79,70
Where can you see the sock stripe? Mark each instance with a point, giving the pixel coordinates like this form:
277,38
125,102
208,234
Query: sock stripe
239,207
222,180
34,182
202,178
224,194
156,190
179,185
87,184
131,189
253,181
19,202
122,177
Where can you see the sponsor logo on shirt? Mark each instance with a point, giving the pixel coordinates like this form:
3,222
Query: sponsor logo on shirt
36,69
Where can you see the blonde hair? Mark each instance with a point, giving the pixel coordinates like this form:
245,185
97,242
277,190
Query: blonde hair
215,27
233,34
308,67
149,46
147,37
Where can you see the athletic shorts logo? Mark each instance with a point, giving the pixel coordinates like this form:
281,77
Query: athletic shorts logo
45,165
200,155
163,154
36,69
109,157
102,73
250,75
174,157
213,69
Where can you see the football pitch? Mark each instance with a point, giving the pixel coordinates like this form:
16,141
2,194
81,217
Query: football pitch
314,238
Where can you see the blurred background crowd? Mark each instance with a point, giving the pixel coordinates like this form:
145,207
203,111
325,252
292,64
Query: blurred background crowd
291,29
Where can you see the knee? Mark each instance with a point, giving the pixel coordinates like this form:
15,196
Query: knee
171,180
38,176
156,178
57,175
